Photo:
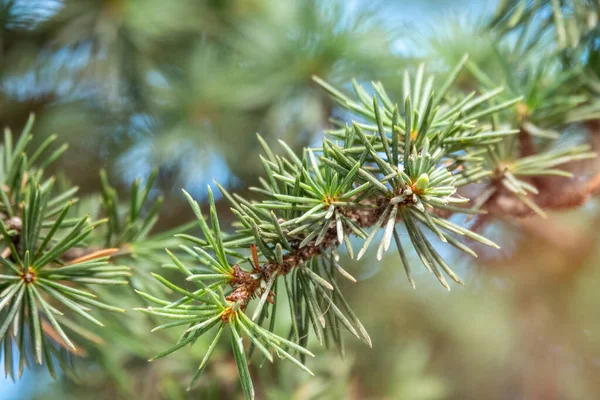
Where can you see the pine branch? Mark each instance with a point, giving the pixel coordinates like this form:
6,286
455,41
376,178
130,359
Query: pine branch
395,165
42,296
398,165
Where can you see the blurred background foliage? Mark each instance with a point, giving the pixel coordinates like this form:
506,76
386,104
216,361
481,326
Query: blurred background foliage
184,85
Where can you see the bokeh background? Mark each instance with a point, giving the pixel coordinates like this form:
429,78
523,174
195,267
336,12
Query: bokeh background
184,85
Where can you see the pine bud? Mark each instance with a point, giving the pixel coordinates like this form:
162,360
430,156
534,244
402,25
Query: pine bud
423,182
279,253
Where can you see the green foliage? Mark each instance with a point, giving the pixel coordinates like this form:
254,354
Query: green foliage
565,23
396,163
525,55
57,263
393,167
42,293
19,171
